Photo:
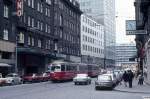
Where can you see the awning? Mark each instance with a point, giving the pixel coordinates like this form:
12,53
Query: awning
5,65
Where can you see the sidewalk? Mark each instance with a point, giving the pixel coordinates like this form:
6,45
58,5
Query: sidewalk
135,89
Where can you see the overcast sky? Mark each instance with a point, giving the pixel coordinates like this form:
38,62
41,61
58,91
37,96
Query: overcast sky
124,11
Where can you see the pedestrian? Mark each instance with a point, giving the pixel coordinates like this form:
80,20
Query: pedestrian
141,79
130,78
125,78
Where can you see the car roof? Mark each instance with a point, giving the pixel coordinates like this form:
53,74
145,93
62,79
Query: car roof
81,74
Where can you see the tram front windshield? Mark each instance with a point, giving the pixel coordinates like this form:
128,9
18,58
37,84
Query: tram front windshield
55,68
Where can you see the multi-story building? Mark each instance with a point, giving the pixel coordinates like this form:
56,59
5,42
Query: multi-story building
42,31
125,56
92,41
67,29
104,13
142,8
7,40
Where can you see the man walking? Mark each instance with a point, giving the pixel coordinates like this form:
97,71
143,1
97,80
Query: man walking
130,78
125,78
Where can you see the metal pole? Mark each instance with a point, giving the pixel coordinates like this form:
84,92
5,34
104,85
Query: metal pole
16,54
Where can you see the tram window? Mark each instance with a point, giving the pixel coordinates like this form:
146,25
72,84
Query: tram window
54,68
62,67
68,68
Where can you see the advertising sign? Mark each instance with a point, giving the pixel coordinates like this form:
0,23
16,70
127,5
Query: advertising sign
19,7
131,28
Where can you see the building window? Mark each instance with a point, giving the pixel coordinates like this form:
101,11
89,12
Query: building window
6,11
32,22
61,20
41,8
29,40
49,29
38,6
46,28
41,26
40,43
5,35
29,20
21,38
32,41
29,2
38,24
6,55
32,3
49,2
46,11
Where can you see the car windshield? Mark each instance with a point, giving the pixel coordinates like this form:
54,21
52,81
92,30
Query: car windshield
55,68
104,78
9,75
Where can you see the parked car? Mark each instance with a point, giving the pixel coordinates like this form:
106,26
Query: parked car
31,78
104,81
13,78
82,78
2,80
45,76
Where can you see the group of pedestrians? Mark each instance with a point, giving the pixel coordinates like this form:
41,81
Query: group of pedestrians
128,78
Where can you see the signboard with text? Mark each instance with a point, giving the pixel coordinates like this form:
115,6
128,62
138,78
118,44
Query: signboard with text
19,8
131,28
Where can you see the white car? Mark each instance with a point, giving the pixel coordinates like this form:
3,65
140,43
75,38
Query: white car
13,79
82,78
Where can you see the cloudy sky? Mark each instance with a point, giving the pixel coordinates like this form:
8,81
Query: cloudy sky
124,11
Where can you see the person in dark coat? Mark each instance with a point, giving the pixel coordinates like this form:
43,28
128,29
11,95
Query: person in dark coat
130,78
141,79
125,78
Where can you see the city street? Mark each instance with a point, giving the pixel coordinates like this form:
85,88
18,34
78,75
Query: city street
67,90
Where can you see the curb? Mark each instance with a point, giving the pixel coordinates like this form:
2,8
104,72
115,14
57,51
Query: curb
147,83
132,91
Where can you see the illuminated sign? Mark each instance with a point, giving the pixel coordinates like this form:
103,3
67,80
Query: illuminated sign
19,7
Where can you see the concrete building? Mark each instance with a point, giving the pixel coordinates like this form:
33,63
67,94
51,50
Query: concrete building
125,56
43,30
7,37
92,41
142,8
104,13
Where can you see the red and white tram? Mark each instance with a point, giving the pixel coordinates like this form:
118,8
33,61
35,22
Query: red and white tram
60,71
93,70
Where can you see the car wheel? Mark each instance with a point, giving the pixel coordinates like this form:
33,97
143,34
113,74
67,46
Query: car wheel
13,82
96,88
89,82
75,83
